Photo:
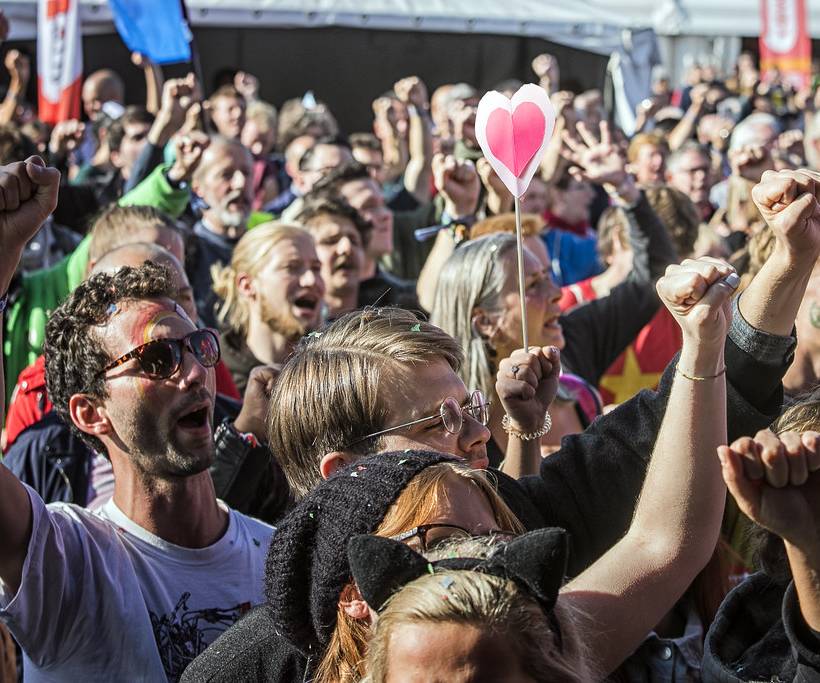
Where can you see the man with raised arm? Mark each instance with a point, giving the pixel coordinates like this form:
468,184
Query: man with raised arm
139,588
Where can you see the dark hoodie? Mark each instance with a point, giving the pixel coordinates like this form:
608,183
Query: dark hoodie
760,635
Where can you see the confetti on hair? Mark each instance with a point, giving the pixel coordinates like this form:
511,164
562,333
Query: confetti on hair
310,514
112,309
314,335
401,462
416,328
354,474
430,568
446,582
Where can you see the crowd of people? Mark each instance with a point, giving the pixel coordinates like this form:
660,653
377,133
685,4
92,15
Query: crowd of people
268,414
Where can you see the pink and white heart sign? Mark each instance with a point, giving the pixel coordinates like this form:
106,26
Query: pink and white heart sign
514,133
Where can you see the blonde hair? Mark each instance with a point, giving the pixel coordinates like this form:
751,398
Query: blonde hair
117,226
331,391
802,416
492,604
263,114
250,255
473,277
344,658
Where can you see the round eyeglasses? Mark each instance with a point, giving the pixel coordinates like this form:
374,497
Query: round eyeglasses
451,414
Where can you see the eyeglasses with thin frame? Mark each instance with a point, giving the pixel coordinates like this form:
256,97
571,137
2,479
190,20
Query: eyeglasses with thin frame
427,536
451,414
161,358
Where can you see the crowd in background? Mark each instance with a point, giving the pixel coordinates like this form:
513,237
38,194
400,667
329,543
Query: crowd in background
268,415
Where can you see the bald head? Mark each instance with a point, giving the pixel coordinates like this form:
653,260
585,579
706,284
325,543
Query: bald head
100,87
134,255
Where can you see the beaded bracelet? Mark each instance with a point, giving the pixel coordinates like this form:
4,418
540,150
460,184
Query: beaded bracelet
526,436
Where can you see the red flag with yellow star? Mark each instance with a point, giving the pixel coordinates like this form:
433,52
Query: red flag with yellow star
641,365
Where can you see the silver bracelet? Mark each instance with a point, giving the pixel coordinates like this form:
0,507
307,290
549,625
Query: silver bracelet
526,436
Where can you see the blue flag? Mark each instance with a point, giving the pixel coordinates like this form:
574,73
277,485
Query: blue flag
154,28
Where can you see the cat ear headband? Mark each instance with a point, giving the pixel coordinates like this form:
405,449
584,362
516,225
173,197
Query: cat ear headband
535,561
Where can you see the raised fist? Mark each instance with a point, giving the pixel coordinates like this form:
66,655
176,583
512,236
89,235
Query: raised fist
65,137
458,183
775,480
697,293
411,90
247,85
18,65
188,149
28,195
788,202
527,383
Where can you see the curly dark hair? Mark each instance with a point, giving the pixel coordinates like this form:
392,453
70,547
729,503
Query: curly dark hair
74,353
334,206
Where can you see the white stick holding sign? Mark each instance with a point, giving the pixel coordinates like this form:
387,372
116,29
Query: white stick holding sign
513,134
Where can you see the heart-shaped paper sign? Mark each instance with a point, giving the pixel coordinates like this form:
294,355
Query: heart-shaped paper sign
513,133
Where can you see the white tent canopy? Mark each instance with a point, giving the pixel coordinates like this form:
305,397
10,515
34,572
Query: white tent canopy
584,23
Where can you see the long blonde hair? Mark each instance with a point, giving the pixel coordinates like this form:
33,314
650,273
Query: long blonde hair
250,255
473,277
344,658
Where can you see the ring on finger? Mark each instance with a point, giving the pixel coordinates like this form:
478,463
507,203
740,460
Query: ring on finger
514,370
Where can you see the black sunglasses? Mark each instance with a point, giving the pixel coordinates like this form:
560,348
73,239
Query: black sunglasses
161,358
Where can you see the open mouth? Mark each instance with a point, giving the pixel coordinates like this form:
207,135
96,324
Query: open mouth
306,306
552,323
195,420
345,266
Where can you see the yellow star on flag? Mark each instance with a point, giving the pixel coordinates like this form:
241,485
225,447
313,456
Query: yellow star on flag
631,380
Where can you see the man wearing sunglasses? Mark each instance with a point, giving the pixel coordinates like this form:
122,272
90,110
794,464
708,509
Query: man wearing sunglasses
137,589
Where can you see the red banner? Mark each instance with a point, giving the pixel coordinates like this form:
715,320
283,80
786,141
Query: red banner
59,60
784,41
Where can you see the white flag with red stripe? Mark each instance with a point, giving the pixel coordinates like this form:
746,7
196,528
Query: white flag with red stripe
59,60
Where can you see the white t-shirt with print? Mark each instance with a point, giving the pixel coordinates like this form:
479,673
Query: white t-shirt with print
104,600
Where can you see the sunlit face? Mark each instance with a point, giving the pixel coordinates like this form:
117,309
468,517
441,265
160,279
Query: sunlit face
223,182
228,115
650,165
366,197
418,391
543,313
136,135
447,652
258,138
163,425
692,176
290,288
340,250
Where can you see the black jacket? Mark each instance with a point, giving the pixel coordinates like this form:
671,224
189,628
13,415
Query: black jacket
759,635
589,487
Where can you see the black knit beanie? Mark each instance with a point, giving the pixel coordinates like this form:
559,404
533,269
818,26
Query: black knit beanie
307,565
